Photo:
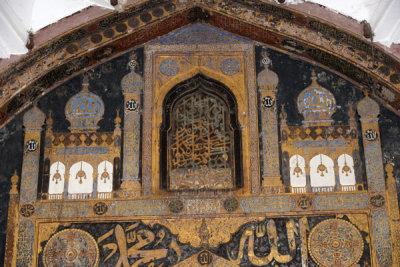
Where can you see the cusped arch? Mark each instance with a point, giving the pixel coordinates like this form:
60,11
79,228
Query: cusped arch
204,72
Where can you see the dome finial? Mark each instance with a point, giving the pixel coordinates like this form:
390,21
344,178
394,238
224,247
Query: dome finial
85,83
314,77
132,64
14,184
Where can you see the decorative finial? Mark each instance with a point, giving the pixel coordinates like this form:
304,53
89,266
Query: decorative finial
314,76
49,120
389,169
117,120
204,234
85,83
14,184
132,62
266,61
283,113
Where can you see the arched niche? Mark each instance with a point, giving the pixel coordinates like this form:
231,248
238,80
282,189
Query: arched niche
322,173
105,177
57,179
297,171
200,137
347,177
80,182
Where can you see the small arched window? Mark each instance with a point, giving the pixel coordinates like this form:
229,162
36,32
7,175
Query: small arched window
346,170
57,180
200,137
297,171
322,173
80,182
105,177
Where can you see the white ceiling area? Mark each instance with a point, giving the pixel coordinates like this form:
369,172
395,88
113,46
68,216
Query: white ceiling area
19,17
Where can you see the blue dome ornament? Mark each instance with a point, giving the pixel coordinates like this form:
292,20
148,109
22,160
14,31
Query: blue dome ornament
84,110
316,103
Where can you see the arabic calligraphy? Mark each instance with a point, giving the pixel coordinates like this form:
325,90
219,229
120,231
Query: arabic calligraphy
201,144
258,231
130,245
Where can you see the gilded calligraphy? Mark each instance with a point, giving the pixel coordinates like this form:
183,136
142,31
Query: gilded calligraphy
260,231
129,244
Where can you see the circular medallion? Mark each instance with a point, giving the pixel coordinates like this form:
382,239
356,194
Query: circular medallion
132,105
335,242
304,202
268,102
175,206
230,66
377,201
100,208
370,135
27,210
169,67
204,258
231,204
71,247
31,145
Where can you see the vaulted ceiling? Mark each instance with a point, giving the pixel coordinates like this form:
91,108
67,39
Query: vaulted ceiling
94,35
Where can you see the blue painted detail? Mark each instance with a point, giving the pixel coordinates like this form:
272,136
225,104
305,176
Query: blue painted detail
316,103
81,150
380,223
268,204
55,210
368,108
319,143
230,66
33,119
137,207
341,201
199,33
30,175
132,83
84,110
373,158
26,236
169,67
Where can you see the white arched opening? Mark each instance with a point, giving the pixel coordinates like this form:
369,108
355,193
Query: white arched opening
298,180
57,180
80,183
322,174
105,179
347,177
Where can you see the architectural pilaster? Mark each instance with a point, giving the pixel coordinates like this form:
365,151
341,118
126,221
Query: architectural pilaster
267,81
368,110
33,121
132,86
